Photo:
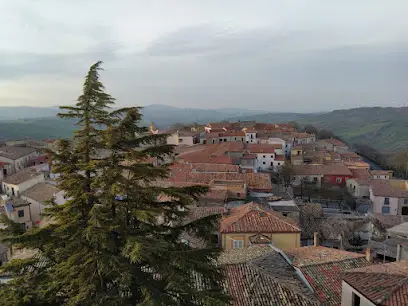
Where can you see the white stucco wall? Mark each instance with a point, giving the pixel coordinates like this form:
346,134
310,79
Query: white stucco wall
265,161
347,296
357,190
378,203
248,138
18,189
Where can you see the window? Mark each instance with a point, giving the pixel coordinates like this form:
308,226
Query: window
264,156
237,244
21,213
271,163
338,180
264,163
180,140
12,191
385,210
405,201
315,179
278,164
293,178
225,139
356,300
386,201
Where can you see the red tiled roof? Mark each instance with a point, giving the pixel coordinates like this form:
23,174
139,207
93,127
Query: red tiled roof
330,169
249,156
381,172
361,173
202,157
322,268
301,135
203,167
335,142
232,133
248,286
249,218
326,278
384,188
383,284
279,157
261,148
310,255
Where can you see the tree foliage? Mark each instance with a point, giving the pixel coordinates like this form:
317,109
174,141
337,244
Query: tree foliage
114,242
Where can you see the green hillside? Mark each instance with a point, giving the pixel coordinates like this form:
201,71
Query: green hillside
385,129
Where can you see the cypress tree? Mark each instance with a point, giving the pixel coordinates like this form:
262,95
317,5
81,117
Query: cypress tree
116,241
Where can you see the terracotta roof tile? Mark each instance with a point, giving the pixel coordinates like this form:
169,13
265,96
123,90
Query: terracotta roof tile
383,284
261,148
380,172
335,142
330,169
311,255
322,268
248,286
22,176
259,275
361,173
326,278
385,188
250,218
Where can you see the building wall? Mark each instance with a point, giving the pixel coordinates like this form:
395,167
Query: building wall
18,189
265,161
26,219
38,207
342,149
173,139
20,163
357,190
339,180
280,240
308,178
251,137
378,203
347,296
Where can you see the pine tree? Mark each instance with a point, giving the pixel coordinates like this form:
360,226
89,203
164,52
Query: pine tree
114,242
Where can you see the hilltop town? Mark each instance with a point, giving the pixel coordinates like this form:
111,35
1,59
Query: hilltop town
304,221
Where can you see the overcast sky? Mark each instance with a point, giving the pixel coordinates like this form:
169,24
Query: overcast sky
272,55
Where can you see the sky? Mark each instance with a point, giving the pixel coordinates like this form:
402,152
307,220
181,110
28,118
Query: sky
292,55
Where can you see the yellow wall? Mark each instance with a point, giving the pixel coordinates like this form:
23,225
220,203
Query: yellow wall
280,240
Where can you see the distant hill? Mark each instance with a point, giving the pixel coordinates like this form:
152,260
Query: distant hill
24,112
41,122
383,128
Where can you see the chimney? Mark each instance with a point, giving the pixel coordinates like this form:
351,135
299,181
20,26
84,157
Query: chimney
316,239
399,249
369,256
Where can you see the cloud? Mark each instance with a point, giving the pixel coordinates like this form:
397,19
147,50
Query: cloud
280,56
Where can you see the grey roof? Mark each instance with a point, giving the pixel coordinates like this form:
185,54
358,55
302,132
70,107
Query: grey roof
399,229
41,192
260,275
14,152
22,176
